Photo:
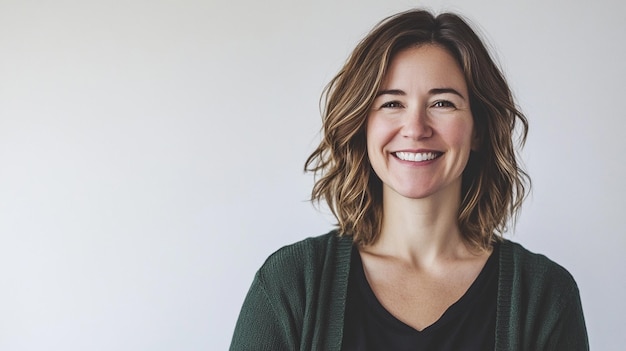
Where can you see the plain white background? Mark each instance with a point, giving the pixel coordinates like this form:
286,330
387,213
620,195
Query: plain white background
151,155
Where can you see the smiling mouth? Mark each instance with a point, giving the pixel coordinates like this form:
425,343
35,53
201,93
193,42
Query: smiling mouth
417,156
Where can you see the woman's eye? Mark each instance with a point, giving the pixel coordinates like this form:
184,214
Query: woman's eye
391,104
443,103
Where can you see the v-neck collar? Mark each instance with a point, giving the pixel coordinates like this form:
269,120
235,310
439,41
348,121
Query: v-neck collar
458,307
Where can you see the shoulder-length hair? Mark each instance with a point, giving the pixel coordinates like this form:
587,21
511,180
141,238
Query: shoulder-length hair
493,185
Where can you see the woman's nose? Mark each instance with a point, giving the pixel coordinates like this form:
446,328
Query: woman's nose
416,125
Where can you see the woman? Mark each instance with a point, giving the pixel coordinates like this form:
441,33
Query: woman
418,165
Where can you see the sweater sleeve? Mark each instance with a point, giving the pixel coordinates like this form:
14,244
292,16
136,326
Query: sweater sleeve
259,326
289,304
539,304
570,332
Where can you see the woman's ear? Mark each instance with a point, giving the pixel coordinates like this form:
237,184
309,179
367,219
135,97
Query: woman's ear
476,140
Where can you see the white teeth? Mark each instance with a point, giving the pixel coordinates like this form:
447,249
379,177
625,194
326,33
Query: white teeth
416,157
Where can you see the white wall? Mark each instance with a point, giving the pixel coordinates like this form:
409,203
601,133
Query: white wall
151,155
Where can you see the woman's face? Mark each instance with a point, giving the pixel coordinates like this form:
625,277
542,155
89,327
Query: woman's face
420,128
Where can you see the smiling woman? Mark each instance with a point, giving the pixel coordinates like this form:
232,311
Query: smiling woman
418,165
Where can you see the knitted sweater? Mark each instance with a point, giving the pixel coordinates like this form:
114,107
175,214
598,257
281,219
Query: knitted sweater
298,298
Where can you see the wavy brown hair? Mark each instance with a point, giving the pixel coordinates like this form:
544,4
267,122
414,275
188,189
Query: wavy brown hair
494,184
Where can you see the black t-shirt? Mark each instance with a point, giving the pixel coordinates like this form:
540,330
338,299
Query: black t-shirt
469,324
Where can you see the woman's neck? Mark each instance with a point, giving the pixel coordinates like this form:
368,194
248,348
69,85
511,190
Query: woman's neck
421,231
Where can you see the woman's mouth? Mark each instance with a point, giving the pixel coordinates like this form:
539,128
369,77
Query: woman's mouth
417,156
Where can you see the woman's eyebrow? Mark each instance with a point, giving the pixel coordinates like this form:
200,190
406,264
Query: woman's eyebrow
445,91
391,92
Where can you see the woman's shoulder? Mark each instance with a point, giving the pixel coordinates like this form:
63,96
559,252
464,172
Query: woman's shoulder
534,270
306,249
308,256
538,302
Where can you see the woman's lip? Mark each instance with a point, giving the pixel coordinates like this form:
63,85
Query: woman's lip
417,150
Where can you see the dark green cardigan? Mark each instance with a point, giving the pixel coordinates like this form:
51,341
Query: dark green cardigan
298,298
